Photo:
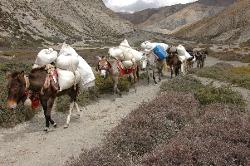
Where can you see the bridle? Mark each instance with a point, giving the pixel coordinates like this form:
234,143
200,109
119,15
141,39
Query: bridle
103,65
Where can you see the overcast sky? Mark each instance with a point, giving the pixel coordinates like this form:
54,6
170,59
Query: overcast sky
136,5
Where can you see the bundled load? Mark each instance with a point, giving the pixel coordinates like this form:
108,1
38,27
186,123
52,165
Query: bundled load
129,52
126,54
86,73
182,53
159,49
72,69
160,52
67,79
67,59
44,57
148,46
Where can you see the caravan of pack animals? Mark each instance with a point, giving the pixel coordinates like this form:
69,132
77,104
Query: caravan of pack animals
66,73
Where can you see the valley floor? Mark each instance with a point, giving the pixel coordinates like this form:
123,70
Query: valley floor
28,145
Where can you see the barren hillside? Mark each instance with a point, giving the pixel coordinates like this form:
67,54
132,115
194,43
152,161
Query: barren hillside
233,24
172,18
30,22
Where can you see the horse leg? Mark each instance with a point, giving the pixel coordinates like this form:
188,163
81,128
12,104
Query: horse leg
77,109
160,70
133,81
154,77
69,115
50,104
115,88
171,72
148,75
44,105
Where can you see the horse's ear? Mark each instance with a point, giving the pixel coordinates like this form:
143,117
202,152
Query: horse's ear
21,75
98,58
8,75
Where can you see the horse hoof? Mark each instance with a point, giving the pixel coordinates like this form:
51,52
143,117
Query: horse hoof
66,126
55,125
46,129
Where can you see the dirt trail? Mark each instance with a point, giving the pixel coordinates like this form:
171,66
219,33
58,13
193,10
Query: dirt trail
28,145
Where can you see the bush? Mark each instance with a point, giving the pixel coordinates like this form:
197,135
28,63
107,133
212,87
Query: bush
204,94
236,75
219,137
142,130
106,85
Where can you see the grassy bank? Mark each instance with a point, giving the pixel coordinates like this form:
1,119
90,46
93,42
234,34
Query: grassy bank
239,76
174,129
229,55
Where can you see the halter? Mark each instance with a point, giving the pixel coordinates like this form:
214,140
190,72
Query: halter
105,66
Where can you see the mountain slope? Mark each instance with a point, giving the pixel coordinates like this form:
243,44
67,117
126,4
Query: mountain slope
147,16
190,14
233,24
172,18
27,22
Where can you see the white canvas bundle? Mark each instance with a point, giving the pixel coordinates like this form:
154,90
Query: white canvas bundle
116,53
46,56
86,72
128,64
182,53
148,46
67,59
129,53
67,79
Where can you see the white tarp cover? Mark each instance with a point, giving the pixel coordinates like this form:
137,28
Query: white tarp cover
86,72
67,59
67,79
45,56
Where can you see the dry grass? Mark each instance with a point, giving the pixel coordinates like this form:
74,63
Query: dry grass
239,76
204,94
228,55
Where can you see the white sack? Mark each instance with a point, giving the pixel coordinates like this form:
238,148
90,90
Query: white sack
129,53
86,72
116,53
148,46
67,59
182,53
67,79
46,56
127,64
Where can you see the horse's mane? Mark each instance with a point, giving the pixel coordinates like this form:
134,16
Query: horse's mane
15,73
38,69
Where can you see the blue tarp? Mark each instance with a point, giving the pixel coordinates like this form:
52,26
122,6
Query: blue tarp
160,52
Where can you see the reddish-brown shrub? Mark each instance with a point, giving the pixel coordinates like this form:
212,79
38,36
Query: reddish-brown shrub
219,137
145,128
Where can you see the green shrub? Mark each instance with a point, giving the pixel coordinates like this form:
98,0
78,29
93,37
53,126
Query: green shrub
204,94
106,85
236,75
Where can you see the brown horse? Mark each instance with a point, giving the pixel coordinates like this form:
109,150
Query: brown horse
19,84
114,69
173,62
201,57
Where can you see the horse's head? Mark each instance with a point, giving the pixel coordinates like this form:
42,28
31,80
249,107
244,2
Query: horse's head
103,66
16,88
